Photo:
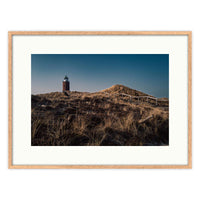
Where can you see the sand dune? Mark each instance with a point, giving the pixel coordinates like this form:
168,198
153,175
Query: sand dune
99,119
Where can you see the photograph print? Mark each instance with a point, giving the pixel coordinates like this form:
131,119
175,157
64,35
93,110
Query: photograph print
100,99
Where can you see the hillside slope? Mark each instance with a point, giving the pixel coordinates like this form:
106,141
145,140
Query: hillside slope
97,119
123,89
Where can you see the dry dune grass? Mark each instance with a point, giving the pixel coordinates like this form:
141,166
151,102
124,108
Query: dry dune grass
97,119
123,89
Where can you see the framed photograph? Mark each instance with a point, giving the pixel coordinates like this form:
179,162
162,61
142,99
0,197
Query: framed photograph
100,99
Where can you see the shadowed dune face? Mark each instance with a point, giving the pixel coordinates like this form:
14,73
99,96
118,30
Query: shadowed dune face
104,118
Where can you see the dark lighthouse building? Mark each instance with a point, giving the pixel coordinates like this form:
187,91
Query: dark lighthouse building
66,84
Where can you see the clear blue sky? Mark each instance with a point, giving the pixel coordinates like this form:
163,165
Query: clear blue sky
148,73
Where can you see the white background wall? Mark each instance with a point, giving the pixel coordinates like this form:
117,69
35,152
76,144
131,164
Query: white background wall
99,15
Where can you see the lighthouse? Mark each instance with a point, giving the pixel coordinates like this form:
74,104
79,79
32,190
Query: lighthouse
66,84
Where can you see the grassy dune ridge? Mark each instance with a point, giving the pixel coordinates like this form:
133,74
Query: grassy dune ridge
95,119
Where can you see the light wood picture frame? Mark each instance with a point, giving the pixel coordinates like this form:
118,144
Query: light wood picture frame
11,97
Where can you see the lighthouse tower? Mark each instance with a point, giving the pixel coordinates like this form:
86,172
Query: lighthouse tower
66,84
